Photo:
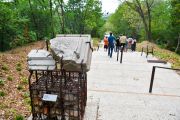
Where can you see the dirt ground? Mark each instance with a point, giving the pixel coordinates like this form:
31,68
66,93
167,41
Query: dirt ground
14,92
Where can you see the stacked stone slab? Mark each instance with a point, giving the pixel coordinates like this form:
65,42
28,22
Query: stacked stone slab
40,60
74,50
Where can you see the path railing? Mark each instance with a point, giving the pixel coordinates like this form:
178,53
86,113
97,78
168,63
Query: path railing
153,74
147,50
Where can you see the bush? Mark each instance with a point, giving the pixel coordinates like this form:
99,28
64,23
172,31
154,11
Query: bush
19,87
32,36
26,95
5,67
1,82
19,117
28,101
18,64
18,41
9,78
24,80
18,67
2,94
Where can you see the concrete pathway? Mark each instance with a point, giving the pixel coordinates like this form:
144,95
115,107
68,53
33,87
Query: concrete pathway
120,91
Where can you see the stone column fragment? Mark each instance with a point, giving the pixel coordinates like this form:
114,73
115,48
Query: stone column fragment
74,49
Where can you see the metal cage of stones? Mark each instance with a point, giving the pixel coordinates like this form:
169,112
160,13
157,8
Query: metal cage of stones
70,88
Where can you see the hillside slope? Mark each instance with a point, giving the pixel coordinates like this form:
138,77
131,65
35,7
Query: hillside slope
14,92
163,54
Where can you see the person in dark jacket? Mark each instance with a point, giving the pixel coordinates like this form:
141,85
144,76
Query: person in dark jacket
111,40
133,46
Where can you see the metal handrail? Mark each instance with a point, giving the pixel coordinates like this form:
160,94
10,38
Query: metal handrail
147,51
153,74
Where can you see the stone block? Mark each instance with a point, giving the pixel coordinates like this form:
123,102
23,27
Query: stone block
74,49
41,67
40,60
39,55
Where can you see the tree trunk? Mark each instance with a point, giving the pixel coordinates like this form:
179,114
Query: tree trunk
136,6
34,20
141,13
2,40
177,48
62,17
52,25
149,21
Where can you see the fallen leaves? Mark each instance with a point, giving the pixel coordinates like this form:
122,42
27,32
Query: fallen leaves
13,69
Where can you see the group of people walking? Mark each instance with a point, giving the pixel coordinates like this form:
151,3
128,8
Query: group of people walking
122,42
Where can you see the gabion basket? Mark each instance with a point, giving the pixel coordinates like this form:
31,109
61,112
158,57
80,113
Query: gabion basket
70,89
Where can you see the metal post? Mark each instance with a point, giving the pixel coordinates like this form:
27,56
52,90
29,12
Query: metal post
47,47
117,54
36,74
147,51
152,79
142,51
121,55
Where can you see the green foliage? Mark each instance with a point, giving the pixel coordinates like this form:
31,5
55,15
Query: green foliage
165,22
26,95
20,87
10,78
84,16
32,36
2,93
26,21
161,22
5,67
18,64
1,82
96,41
18,67
123,21
24,80
28,101
11,26
19,117
18,41
3,106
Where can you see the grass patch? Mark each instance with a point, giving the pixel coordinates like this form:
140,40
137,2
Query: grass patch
1,82
3,106
5,67
2,93
24,80
10,78
18,67
19,87
18,64
14,111
26,95
28,101
162,54
19,117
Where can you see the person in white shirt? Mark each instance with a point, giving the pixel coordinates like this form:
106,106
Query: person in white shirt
122,41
